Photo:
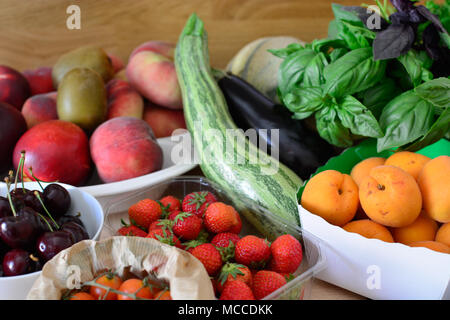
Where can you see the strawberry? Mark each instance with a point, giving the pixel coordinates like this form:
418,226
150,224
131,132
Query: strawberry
236,290
187,225
209,256
223,239
145,212
133,231
161,223
234,272
197,202
286,253
190,245
265,282
171,203
238,227
166,236
220,217
252,251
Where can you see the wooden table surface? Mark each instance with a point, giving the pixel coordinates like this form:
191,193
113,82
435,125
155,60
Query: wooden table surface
34,33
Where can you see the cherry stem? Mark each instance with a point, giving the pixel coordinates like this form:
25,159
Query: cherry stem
43,205
32,257
45,220
35,178
21,161
22,155
8,186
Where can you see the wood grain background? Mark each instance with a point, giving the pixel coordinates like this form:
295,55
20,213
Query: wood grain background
33,33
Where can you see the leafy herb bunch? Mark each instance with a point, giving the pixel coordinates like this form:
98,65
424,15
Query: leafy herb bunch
383,72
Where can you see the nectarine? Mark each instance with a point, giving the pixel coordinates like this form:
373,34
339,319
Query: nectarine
331,195
123,100
40,80
12,126
40,108
14,87
162,120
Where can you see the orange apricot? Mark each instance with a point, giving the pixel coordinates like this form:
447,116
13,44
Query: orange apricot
362,169
409,161
390,196
443,234
433,245
422,229
331,195
369,229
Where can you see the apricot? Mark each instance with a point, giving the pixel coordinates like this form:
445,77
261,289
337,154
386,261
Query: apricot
443,234
409,161
369,229
422,229
331,195
434,184
390,196
433,245
362,169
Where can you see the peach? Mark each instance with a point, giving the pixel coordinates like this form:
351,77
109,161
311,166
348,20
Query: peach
422,229
443,234
40,108
434,183
57,151
390,196
433,245
163,121
164,48
40,80
369,229
14,87
124,148
12,127
331,195
123,100
409,161
362,169
117,63
155,77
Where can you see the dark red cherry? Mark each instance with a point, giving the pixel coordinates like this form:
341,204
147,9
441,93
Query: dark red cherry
17,262
78,232
51,243
30,200
70,218
5,208
17,232
34,219
56,199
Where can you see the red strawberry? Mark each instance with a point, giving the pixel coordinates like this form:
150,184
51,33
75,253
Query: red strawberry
287,254
165,236
252,251
265,282
173,214
161,223
132,231
197,202
187,225
236,290
223,239
220,217
209,256
238,227
145,212
171,203
234,272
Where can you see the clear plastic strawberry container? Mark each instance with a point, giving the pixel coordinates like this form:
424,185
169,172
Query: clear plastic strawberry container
299,288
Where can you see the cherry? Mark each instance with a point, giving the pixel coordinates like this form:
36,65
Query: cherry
57,199
50,244
34,219
70,218
78,232
30,200
5,208
17,262
17,232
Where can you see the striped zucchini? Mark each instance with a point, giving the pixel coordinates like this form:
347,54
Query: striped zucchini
209,122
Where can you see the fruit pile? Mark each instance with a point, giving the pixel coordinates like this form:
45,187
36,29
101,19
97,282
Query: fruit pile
90,104
35,226
241,268
404,198
110,286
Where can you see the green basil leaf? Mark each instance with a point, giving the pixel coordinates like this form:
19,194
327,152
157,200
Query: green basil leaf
283,53
331,129
356,117
405,119
340,13
353,39
323,45
358,29
436,92
354,72
303,102
337,53
416,64
333,29
313,73
377,97
439,130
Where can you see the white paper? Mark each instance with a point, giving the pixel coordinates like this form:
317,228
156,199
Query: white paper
377,269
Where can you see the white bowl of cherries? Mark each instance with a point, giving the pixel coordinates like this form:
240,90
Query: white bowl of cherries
37,221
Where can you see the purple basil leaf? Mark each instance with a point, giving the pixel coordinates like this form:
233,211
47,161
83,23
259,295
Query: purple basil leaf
415,16
402,5
431,17
393,42
400,18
